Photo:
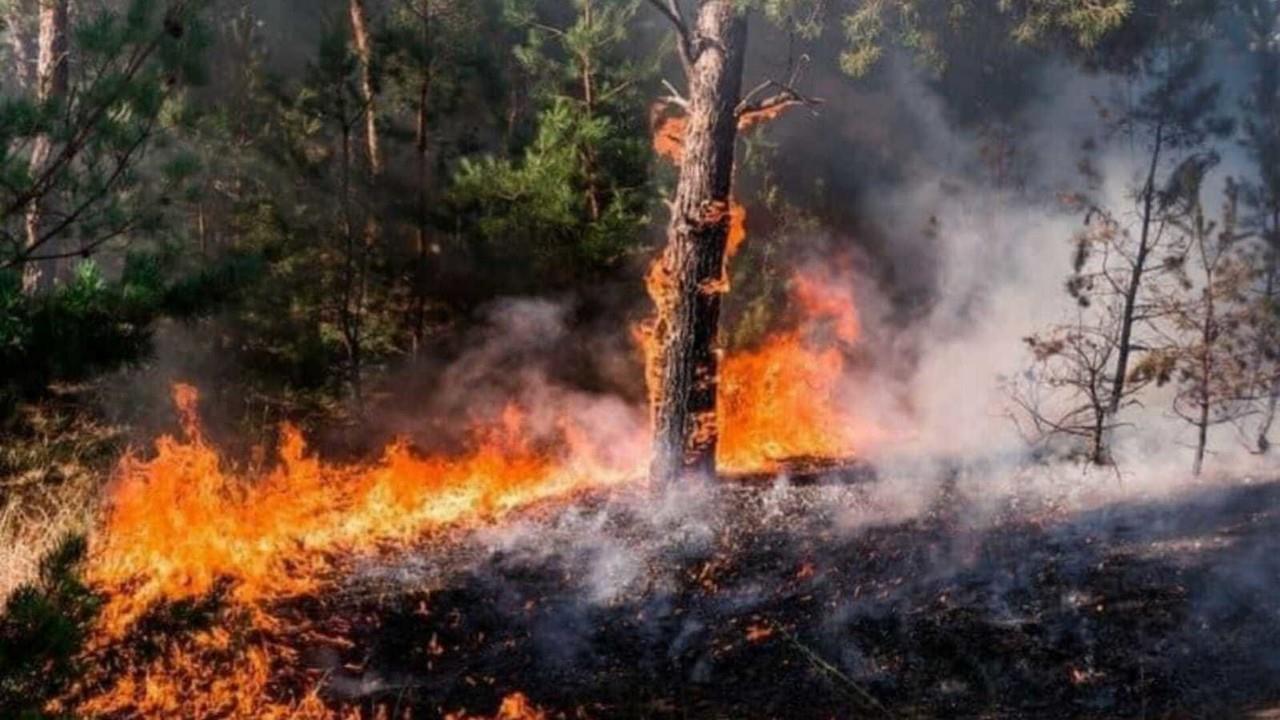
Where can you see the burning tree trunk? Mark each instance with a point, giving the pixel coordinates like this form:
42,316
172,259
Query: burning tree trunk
688,280
51,83
691,268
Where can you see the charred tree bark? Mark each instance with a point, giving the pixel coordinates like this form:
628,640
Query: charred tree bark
51,81
692,265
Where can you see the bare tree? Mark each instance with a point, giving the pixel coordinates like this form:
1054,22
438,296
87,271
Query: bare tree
1207,346
1070,390
1121,266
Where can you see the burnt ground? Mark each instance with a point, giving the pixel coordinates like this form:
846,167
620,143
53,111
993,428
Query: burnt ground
751,602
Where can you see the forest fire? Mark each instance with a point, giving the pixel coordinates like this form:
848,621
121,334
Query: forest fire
783,400
181,521
183,524
981,423
779,400
187,524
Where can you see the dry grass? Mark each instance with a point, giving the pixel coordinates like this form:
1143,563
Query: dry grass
54,458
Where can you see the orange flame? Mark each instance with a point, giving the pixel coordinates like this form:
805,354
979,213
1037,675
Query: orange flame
181,521
783,399
668,132
516,706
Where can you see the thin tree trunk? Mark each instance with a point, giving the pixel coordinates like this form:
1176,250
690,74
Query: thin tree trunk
51,82
368,89
1263,441
1207,337
369,96
589,106
22,45
421,241
1135,280
1098,451
349,308
418,308
692,265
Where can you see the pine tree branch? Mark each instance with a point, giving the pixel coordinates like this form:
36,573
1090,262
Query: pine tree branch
786,96
684,39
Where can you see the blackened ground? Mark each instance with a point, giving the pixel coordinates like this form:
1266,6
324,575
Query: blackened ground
747,602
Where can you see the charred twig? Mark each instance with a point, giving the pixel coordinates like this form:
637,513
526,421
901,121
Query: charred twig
786,93
684,40
786,96
675,98
820,664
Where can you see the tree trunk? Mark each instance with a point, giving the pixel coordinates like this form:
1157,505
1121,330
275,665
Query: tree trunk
1098,440
1135,280
422,245
692,265
22,45
368,89
51,83
1263,441
1208,336
349,306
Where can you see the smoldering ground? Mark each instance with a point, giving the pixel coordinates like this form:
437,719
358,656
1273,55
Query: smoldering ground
825,601
967,580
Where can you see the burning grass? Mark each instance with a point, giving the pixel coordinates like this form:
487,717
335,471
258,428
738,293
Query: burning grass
733,601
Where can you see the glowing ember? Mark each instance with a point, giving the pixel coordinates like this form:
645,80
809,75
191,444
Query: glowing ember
517,707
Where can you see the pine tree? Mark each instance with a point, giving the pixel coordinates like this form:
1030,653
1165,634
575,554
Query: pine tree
1261,138
73,146
574,201
1207,349
1098,363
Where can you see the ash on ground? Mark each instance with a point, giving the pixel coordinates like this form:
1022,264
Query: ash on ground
789,601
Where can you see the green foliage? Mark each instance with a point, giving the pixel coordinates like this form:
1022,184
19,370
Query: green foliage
540,205
130,68
573,203
921,25
42,630
90,325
